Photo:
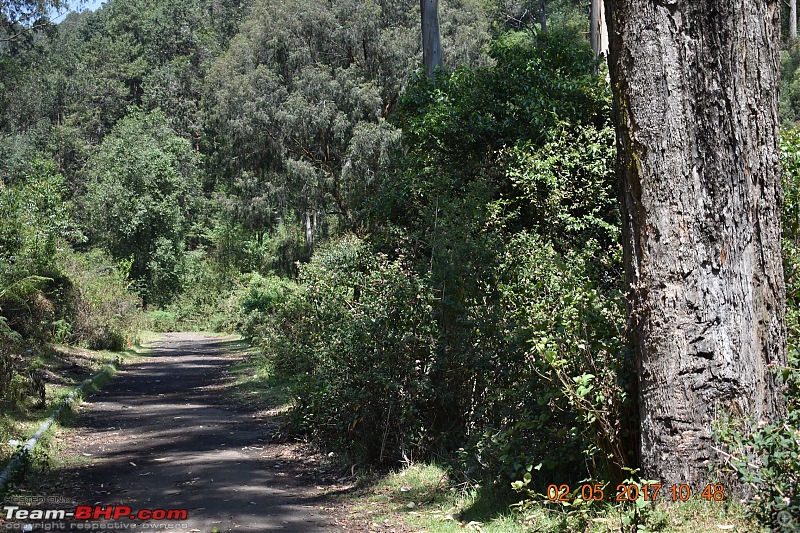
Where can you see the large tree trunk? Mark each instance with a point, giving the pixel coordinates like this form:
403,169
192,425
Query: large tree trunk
793,20
696,104
431,39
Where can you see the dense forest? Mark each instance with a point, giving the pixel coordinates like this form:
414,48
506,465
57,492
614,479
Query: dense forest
434,261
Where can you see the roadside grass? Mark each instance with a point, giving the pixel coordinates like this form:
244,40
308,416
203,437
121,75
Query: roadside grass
146,337
256,384
422,498
63,368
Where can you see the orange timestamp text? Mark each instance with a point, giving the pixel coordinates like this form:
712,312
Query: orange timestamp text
630,492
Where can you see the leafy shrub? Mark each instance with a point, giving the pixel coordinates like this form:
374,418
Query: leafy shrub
216,297
559,313
367,343
495,244
288,338
790,86
34,220
456,125
206,301
162,321
47,291
564,189
556,367
258,298
790,214
102,314
766,455
141,190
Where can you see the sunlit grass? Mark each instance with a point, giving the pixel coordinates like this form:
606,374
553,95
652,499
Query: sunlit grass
255,383
423,497
65,368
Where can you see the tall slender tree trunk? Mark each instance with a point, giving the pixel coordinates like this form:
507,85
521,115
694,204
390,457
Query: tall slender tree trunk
431,39
543,15
599,34
793,20
309,227
696,105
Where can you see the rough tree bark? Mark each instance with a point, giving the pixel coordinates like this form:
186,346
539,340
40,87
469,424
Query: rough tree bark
431,39
696,105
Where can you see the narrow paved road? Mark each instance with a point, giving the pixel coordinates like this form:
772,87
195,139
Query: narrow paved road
164,434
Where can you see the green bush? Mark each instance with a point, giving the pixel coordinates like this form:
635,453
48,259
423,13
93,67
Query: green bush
162,321
553,368
380,381
206,301
141,190
483,317
258,298
34,220
101,312
362,334
49,293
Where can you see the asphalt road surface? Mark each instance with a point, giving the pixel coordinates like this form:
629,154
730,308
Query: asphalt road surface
165,435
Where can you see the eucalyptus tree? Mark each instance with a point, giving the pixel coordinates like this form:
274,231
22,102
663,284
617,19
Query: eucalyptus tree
20,19
598,32
696,101
293,100
431,38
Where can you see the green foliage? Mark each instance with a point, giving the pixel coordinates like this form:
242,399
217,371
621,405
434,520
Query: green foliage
34,220
22,20
297,114
484,313
510,183
563,188
361,330
62,92
766,454
142,182
456,123
790,216
258,299
570,16
48,292
162,321
101,312
790,86
205,302
558,380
